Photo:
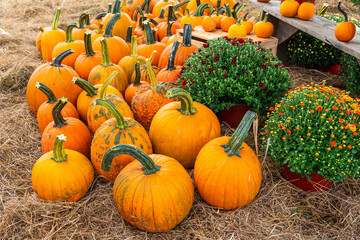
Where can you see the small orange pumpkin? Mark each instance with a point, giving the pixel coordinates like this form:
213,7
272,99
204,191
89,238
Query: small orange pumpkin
162,27
132,88
228,20
187,19
79,33
345,30
126,8
264,29
289,8
237,30
99,32
306,10
248,24
170,73
209,23
161,18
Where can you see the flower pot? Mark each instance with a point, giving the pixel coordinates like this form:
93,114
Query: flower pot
316,183
301,1
333,69
233,115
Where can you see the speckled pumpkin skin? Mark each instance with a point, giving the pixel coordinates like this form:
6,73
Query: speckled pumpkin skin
144,76
109,135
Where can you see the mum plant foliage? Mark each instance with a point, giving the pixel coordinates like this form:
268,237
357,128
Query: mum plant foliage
314,129
227,71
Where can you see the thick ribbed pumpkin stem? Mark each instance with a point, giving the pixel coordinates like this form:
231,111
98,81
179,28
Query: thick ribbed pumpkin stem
168,29
266,17
172,55
149,34
234,145
198,3
100,15
58,60
170,13
84,19
109,8
121,123
218,3
147,6
100,28
110,25
59,154
47,91
137,74
133,52
187,105
342,12
153,81
59,120
149,167
88,46
86,86
323,9
162,13
116,8
239,10
56,19
187,35
128,34
106,84
105,53
69,29
176,6
245,16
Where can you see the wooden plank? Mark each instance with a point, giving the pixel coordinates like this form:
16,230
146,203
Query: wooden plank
318,27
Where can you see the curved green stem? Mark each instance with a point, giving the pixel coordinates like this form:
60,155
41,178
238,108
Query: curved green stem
100,15
323,9
69,29
172,55
237,12
187,35
342,11
59,120
47,91
154,83
187,105
266,17
109,8
149,167
234,145
88,46
128,34
153,21
245,16
137,74
116,8
86,86
121,123
147,6
176,6
84,19
59,154
133,52
149,36
58,60
105,53
56,19
106,84
227,10
201,8
110,25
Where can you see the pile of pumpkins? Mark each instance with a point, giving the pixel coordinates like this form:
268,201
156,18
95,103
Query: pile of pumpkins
103,103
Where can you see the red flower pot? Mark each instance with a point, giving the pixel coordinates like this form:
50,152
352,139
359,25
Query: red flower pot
301,1
234,115
333,69
316,183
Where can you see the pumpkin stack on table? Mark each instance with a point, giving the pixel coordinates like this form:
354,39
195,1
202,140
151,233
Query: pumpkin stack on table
86,123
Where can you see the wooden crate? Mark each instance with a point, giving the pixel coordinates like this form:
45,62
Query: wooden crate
199,36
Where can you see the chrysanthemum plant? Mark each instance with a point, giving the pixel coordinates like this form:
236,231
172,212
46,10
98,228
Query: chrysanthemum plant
315,129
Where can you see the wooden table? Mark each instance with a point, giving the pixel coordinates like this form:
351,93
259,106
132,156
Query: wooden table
319,27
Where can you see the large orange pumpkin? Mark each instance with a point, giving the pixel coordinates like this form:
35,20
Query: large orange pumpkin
154,193
117,46
117,130
171,72
89,94
44,113
173,132
79,137
58,76
149,99
50,37
62,174
77,45
227,172
79,33
345,30
133,87
97,115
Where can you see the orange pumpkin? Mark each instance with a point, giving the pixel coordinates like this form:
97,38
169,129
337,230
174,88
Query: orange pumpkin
142,186
247,24
200,13
227,172
85,62
149,99
162,27
161,18
228,20
117,130
70,177
38,39
126,8
289,8
117,46
50,37
170,73
208,24
78,46
183,52
137,3
79,33
44,113
101,72
172,131
132,88
194,4
58,76
162,4
99,32
237,30
264,29
168,33
89,94
345,30
187,19
306,10
79,137
97,115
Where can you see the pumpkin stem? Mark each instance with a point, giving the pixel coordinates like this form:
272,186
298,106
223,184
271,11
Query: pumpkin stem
168,29
110,25
342,11
218,4
266,17
198,3
227,10
200,10
147,6
124,3
47,91
59,154
109,8
133,52
58,60
105,53
323,9
41,29
170,13
187,35
149,35
69,29
86,86
149,167
237,13
106,84
84,19
128,34
187,12
162,12
56,19
116,8
153,22
153,82
121,123
100,28
245,16
88,47
176,6
187,105
171,60
59,120
234,145
137,74
100,15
